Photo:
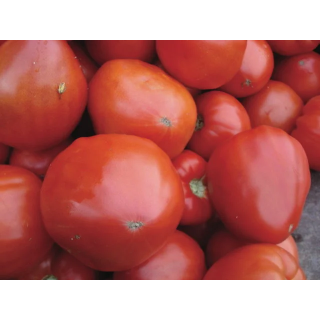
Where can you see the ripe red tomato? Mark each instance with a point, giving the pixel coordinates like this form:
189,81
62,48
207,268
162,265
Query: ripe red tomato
192,171
23,239
37,161
258,182
276,105
105,50
256,262
43,93
301,73
307,131
2,42
88,66
220,117
4,153
112,200
180,258
202,64
136,98
292,47
255,71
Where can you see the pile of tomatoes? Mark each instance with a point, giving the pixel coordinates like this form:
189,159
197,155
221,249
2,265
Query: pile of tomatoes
148,159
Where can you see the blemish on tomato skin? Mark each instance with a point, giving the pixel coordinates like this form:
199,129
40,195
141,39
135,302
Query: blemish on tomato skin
61,89
77,237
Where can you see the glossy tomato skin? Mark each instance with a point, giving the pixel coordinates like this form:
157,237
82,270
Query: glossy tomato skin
293,47
301,73
220,117
136,98
111,200
23,239
43,78
255,71
88,66
104,50
307,131
258,182
37,162
256,262
4,153
276,105
202,64
192,171
181,258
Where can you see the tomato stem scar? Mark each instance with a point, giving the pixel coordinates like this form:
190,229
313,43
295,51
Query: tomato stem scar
134,225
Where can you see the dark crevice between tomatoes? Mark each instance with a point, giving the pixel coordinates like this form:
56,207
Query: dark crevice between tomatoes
134,225
198,188
166,122
199,123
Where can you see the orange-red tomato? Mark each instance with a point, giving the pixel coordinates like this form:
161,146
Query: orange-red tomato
202,64
292,47
137,98
275,105
4,153
181,258
255,71
112,200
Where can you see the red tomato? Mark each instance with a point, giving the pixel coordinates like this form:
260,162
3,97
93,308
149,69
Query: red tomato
222,242
220,117
88,66
301,73
136,98
307,131
2,42
4,153
37,161
43,78
255,71
192,170
202,64
112,200
180,258
292,47
276,105
258,182
23,239
105,50
256,262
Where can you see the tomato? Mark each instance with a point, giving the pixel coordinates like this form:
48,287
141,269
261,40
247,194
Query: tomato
222,242
37,161
4,153
23,239
180,258
88,66
255,71
307,131
104,50
256,262
202,64
292,47
136,98
220,116
276,105
192,171
43,93
301,73
2,42
258,182
112,200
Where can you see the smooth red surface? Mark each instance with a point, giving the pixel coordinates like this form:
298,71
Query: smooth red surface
301,73
275,105
4,153
258,182
255,71
293,47
220,117
307,131
134,97
256,262
43,93
181,258
192,171
112,200
104,50
202,64
23,239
